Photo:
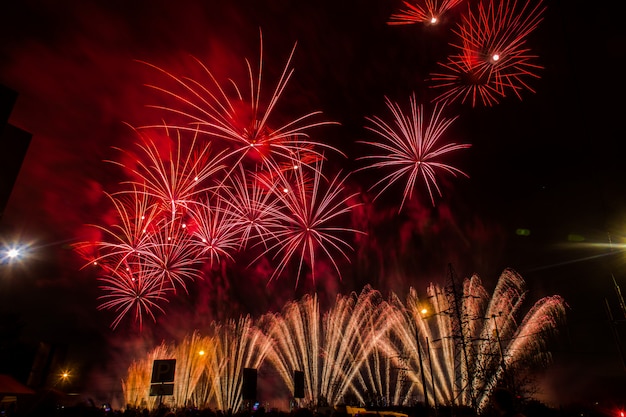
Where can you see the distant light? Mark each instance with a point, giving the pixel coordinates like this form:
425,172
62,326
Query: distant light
495,57
424,311
522,232
13,253
433,20
573,237
201,353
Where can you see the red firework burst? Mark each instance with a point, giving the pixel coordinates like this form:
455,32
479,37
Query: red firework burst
420,11
412,149
244,123
132,291
311,206
214,229
142,257
493,58
173,171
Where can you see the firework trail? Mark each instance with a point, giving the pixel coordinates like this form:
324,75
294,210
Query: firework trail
493,59
136,386
422,11
330,348
191,355
364,347
238,345
495,342
243,123
214,227
411,149
164,171
254,209
131,290
310,209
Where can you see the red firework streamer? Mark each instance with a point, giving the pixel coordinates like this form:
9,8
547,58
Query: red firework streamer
493,58
412,149
422,11
243,122
311,205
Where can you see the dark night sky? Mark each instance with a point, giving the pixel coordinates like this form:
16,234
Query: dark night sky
551,163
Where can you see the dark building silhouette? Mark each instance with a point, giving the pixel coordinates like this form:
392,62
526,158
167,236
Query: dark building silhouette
14,143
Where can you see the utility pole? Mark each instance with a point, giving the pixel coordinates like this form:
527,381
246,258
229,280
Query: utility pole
497,334
432,375
419,358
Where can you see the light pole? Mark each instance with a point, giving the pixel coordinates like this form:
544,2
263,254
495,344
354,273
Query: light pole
419,358
432,375
497,334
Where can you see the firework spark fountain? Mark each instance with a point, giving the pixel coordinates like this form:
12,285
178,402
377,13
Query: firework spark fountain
365,344
329,349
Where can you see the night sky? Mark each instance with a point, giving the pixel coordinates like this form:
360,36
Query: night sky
550,163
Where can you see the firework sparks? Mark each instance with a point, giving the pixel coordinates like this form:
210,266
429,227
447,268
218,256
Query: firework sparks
493,59
215,230
255,211
365,344
131,290
429,11
413,149
244,123
136,214
175,178
307,223
329,348
172,255
140,279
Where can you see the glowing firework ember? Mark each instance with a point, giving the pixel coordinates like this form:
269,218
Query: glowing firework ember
366,344
493,58
429,11
412,149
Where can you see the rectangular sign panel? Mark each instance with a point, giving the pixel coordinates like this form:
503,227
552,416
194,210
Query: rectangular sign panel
163,370
161,389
